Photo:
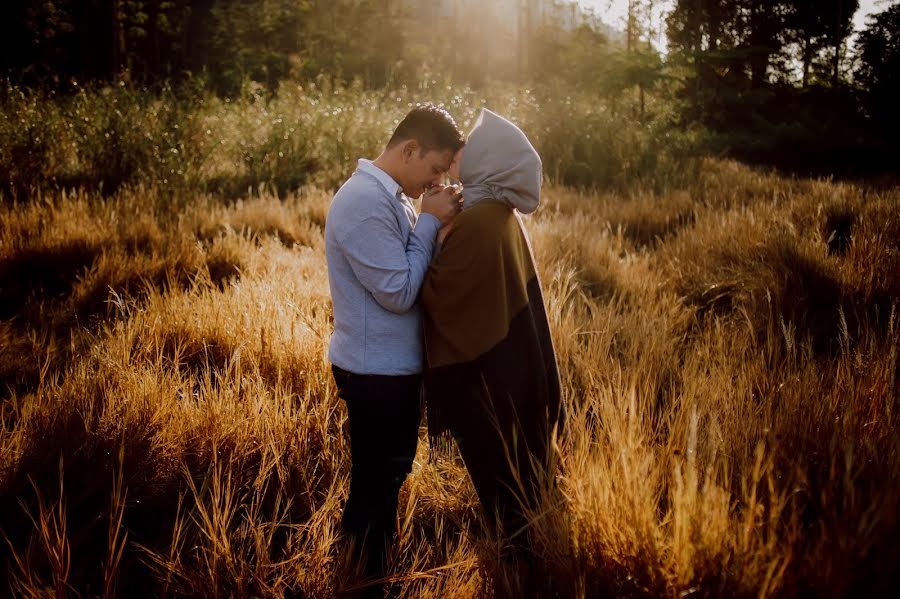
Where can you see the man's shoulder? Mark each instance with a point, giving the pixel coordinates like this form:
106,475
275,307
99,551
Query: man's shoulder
358,183
361,187
359,198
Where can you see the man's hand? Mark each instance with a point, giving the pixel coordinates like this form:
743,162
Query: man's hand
444,203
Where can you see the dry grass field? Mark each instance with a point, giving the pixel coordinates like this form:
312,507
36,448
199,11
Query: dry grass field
729,354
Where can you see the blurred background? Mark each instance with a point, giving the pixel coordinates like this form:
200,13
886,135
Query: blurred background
808,86
727,326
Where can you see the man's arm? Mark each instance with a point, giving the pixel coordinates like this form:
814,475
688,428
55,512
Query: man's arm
391,271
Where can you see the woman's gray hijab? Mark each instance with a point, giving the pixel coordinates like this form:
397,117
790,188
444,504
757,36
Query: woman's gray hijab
499,162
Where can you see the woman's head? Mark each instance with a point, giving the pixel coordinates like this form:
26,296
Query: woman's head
498,162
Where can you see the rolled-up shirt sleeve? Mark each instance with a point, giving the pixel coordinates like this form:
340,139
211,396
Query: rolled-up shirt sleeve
390,270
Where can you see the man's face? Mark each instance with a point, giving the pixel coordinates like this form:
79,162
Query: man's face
421,171
453,172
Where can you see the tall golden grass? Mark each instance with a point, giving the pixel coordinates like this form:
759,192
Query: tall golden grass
729,355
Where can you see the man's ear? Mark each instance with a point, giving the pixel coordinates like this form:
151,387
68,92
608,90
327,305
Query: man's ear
409,149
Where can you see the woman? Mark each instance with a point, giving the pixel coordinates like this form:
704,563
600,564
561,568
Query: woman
492,380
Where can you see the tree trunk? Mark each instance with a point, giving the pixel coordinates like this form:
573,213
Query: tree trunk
520,33
152,60
641,91
118,37
196,35
696,28
716,21
630,27
807,57
760,37
838,42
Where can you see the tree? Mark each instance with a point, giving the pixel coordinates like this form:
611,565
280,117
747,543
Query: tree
354,38
763,36
706,38
839,30
810,24
878,71
641,66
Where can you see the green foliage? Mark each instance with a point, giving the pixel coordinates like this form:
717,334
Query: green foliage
588,143
767,79
879,70
770,81
102,137
123,136
255,39
587,60
183,138
228,41
756,42
28,130
355,39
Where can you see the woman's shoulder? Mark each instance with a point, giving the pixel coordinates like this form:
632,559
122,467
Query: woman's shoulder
486,215
483,228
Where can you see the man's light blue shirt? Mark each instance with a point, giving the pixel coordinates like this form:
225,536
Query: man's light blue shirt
378,252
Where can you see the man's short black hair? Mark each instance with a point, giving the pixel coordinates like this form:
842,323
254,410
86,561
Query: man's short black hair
432,127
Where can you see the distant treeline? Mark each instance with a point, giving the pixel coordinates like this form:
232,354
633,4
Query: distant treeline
778,82
225,41
783,81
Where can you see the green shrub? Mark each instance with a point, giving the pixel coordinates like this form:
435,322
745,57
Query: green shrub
187,139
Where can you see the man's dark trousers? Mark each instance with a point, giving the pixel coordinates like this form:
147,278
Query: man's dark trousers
384,413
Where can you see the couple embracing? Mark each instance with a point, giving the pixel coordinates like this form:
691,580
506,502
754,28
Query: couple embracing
444,305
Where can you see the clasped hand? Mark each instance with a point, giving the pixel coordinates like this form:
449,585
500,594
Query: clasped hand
443,202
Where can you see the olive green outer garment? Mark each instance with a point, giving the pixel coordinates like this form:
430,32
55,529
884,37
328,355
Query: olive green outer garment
489,353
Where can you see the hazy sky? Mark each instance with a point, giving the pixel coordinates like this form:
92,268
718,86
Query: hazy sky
613,11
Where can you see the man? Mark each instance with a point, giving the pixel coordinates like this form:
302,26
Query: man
378,251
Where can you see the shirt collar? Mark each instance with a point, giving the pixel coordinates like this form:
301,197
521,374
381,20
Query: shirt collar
392,187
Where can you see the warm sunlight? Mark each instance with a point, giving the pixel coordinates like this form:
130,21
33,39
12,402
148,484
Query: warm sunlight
254,343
